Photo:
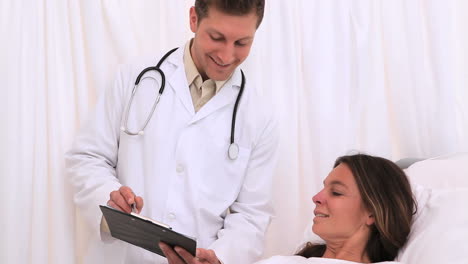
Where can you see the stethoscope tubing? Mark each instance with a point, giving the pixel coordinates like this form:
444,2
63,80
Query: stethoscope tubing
233,149
234,113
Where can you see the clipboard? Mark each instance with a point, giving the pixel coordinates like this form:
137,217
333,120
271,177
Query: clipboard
144,232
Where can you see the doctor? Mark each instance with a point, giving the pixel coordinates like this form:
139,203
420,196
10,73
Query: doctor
178,169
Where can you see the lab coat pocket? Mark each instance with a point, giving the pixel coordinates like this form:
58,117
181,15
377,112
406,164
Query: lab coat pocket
221,186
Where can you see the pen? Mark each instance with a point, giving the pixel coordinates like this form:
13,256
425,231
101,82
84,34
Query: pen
134,209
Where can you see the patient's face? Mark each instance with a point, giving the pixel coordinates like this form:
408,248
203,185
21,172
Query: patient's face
339,211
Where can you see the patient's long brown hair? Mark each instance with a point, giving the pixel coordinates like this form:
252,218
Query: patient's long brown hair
386,193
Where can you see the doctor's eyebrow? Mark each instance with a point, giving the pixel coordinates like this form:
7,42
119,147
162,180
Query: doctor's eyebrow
221,35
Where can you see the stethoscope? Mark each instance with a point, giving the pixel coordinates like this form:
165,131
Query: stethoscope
233,150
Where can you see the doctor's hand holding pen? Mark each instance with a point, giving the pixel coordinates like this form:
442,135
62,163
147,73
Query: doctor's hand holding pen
124,199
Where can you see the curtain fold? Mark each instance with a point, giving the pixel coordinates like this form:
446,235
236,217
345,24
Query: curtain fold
387,77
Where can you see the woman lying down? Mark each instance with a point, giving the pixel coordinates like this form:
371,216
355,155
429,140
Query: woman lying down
363,214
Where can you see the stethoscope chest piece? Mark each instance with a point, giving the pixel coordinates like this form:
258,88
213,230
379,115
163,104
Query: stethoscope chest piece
233,151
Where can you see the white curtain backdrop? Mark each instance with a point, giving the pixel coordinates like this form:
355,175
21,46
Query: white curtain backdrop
387,77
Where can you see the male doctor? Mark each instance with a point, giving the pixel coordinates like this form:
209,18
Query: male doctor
178,170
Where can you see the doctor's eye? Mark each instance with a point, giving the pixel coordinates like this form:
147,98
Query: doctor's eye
336,194
216,38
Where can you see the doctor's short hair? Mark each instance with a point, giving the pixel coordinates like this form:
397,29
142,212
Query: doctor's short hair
231,7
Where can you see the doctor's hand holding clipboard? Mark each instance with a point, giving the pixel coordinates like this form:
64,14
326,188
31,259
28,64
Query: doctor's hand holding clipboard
181,256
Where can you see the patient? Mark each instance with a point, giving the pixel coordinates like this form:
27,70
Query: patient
363,213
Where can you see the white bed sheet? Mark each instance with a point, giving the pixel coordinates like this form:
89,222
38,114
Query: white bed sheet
302,260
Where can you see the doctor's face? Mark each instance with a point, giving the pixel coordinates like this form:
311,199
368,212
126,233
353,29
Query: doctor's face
221,42
339,210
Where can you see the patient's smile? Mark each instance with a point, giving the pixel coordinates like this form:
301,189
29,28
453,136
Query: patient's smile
320,214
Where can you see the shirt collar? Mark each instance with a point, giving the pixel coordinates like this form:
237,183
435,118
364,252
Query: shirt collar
191,71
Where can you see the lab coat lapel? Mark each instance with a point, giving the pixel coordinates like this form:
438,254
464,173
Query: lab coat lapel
178,81
224,97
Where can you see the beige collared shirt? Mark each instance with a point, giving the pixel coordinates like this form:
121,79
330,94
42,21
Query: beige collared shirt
201,91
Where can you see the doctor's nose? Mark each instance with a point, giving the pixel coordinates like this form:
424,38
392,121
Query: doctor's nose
226,54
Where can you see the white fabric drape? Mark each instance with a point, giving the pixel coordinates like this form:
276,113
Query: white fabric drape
388,77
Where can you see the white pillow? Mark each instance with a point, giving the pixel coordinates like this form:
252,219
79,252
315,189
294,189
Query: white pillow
440,229
448,172
439,233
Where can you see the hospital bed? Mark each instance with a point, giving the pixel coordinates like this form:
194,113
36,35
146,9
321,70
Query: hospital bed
440,228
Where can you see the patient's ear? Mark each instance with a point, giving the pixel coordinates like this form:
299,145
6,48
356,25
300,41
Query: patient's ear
370,220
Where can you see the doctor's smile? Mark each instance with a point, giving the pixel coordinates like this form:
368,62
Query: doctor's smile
223,65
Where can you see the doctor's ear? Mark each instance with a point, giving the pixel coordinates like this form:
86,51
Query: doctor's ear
193,19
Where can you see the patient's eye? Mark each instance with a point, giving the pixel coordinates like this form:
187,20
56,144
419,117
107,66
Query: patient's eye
336,194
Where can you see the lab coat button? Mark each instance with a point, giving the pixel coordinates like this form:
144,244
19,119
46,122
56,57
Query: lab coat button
180,168
171,216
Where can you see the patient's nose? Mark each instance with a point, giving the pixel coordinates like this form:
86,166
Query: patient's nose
318,198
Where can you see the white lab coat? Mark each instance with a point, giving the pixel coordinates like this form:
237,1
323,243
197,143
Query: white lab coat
180,165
